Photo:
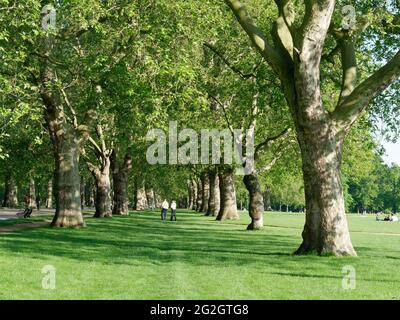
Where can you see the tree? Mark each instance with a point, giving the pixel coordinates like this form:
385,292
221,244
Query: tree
295,57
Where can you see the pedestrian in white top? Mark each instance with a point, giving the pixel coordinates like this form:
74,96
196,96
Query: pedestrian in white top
173,211
164,209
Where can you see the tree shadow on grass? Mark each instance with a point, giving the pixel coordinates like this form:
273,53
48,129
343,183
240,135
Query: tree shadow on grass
139,239
132,240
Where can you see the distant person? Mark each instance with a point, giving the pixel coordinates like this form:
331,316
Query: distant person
38,201
173,211
394,218
164,209
378,216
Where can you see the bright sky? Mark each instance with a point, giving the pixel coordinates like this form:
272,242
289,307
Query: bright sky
392,152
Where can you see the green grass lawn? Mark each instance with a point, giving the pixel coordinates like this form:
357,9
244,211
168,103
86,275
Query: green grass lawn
140,257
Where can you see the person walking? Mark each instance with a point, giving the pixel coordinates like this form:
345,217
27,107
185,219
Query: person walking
164,209
173,211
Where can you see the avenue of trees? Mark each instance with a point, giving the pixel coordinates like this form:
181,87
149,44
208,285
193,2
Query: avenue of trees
311,81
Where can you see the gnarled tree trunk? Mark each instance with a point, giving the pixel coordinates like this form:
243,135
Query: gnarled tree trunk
228,207
256,205
120,180
66,156
103,188
65,150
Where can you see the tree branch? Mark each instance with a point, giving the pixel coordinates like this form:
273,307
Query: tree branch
225,114
232,67
349,67
349,109
267,141
256,36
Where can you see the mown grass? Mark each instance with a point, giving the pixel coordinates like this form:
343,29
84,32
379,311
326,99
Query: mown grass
141,257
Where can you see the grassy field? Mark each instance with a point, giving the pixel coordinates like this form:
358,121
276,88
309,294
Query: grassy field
140,257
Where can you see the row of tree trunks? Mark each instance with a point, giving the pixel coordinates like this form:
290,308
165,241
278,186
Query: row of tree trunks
228,207
10,193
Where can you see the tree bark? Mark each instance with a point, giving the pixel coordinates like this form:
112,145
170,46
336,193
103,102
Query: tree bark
228,208
103,187
120,180
10,192
256,205
325,230
65,150
49,198
150,196
67,180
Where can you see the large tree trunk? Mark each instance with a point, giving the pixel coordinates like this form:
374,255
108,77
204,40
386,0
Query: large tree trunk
10,192
67,179
49,198
256,205
205,191
67,183
325,230
120,180
214,199
65,150
103,188
228,207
